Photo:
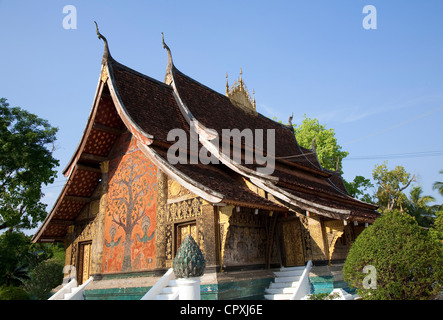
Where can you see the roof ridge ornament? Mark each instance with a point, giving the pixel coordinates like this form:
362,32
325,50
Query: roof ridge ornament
106,53
168,76
239,95
313,148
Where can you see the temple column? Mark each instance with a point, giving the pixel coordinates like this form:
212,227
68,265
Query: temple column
160,233
69,239
224,216
319,245
209,220
98,241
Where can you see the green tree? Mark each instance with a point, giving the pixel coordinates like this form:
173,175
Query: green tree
329,152
18,255
44,277
407,260
437,228
311,133
13,293
25,164
438,185
390,186
418,207
358,188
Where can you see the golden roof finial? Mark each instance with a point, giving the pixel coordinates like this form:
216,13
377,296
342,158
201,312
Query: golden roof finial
240,81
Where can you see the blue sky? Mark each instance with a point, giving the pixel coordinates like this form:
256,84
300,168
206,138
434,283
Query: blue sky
381,90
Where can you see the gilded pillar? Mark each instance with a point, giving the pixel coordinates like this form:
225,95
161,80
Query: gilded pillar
209,223
98,240
334,230
160,232
69,241
318,241
224,216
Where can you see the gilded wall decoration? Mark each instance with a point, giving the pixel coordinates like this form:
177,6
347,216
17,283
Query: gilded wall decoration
334,230
169,242
307,248
160,238
130,219
183,210
318,246
82,231
243,238
292,243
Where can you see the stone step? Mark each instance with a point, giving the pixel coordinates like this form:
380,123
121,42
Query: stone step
164,296
281,290
289,273
292,268
278,296
168,290
172,283
287,279
69,293
278,285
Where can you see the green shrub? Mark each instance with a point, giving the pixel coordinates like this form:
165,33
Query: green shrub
324,296
13,293
44,277
407,260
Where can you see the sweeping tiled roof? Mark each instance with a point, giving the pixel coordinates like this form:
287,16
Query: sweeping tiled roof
127,100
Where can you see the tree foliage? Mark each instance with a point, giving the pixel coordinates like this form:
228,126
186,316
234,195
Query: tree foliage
45,277
13,293
329,152
407,260
438,185
359,189
418,206
18,256
390,186
25,164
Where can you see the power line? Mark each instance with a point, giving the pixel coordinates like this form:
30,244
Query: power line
424,114
413,154
400,155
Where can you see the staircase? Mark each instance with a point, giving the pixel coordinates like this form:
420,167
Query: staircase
71,291
169,292
290,283
165,288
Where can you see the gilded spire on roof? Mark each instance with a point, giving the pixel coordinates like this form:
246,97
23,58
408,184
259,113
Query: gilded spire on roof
239,95
106,53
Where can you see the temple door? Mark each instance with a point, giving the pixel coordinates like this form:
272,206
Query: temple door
292,243
84,262
183,230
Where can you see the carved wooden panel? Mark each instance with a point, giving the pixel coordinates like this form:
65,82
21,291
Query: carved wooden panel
188,209
292,243
84,262
244,238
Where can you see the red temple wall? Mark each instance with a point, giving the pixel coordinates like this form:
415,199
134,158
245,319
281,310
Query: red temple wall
130,220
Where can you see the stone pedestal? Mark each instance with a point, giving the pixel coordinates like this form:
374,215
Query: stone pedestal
188,288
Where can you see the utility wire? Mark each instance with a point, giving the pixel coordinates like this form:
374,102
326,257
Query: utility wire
413,154
400,155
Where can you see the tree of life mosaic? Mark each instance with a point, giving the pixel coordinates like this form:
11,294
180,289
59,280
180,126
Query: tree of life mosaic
130,213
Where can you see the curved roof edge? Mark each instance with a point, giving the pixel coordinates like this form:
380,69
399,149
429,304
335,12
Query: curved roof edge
195,187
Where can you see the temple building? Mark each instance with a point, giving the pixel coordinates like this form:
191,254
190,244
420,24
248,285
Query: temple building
126,206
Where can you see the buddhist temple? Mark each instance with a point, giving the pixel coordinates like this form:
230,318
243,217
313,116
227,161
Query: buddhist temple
126,207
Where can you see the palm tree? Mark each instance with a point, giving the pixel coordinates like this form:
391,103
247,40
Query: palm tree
418,207
438,185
